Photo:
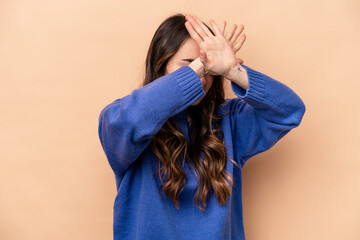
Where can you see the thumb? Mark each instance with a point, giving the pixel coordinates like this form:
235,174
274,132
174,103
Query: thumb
239,60
203,56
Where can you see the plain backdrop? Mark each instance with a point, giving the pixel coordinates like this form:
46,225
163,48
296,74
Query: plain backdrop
61,62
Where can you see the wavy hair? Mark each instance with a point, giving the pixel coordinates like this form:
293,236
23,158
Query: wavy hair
205,142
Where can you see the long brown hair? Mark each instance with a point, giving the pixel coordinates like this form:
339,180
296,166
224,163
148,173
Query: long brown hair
170,145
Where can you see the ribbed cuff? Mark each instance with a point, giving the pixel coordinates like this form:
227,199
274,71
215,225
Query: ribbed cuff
190,84
256,86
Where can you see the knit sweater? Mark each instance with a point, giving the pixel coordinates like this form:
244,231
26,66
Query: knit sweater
264,113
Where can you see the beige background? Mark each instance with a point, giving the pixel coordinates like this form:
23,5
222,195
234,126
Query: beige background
61,62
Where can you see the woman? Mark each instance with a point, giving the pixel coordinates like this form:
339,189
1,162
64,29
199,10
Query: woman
177,135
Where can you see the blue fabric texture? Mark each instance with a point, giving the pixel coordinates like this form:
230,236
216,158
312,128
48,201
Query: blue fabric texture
262,115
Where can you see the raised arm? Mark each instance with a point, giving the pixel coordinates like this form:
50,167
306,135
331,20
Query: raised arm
265,112
127,124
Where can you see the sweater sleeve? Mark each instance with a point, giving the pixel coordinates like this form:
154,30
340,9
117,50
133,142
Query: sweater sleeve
127,124
264,113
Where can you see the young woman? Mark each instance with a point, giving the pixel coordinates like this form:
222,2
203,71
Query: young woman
177,147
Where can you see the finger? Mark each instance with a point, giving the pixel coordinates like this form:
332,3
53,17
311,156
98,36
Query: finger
239,44
237,34
202,25
196,27
194,35
215,27
222,28
231,33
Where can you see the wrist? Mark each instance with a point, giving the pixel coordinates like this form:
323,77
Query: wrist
197,66
239,76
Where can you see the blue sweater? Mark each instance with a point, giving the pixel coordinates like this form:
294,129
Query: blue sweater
267,111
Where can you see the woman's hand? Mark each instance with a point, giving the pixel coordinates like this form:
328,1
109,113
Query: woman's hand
233,37
216,52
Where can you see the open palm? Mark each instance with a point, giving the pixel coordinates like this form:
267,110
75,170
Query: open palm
217,53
